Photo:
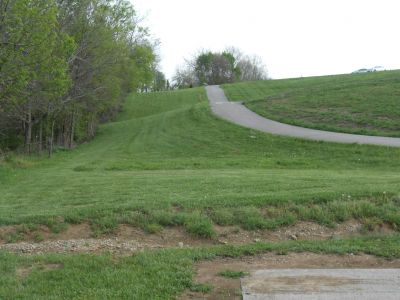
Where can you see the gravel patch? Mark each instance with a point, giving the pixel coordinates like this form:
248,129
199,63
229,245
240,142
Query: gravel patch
79,246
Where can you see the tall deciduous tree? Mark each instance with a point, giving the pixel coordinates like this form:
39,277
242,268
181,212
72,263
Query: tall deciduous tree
66,65
228,66
33,74
160,82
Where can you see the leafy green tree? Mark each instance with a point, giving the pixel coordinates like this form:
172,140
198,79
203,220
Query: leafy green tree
113,57
203,67
224,69
219,68
66,65
33,74
160,82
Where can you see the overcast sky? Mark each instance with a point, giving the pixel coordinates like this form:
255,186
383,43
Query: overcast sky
294,37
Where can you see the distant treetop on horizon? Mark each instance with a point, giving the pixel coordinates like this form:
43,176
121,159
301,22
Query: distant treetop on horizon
231,65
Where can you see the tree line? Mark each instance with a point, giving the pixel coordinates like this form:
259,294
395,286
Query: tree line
65,66
228,66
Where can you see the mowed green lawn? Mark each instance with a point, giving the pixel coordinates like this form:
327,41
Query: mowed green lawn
168,151
356,103
168,162
162,274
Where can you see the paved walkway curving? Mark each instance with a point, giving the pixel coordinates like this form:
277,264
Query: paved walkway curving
237,113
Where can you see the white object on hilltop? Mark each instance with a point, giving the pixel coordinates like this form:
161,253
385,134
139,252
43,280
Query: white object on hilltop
374,69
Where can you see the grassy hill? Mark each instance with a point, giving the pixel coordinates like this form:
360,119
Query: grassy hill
356,103
167,150
168,161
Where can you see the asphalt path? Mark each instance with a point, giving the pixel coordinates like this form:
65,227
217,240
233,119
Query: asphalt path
237,113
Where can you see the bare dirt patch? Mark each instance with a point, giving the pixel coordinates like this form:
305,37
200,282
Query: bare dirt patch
168,237
300,231
5,230
21,232
227,288
76,231
127,239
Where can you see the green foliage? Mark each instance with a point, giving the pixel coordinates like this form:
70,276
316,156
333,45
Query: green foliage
56,225
216,68
153,228
200,226
223,217
38,238
33,60
204,67
104,225
219,67
250,218
233,274
160,82
201,288
65,67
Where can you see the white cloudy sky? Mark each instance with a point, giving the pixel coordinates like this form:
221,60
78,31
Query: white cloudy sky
294,37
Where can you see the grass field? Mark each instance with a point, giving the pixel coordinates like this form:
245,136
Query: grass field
355,103
168,161
153,275
168,151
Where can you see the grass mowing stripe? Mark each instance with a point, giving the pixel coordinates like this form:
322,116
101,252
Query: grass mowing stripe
167,150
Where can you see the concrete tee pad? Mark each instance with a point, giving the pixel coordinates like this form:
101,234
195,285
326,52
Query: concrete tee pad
326,284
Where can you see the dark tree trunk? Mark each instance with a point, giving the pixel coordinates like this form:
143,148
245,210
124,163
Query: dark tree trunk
91,127
72,131
28,132
40,144
51,138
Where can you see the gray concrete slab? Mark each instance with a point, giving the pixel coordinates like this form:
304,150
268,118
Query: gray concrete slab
326,284
237,113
